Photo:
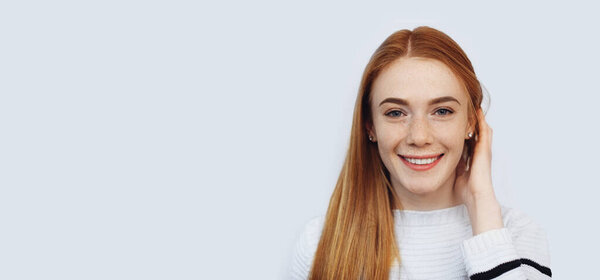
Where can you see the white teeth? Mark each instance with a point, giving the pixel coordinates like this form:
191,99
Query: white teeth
421,161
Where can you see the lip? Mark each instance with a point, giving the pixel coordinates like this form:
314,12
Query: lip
422,167
426,156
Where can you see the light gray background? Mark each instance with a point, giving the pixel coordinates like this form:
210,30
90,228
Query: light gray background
193,140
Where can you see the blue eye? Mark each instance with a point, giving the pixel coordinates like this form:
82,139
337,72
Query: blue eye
391,113
447,111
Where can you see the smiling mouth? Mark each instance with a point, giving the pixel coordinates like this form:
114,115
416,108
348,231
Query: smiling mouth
421,163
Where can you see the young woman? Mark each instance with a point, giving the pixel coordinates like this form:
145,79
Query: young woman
414,199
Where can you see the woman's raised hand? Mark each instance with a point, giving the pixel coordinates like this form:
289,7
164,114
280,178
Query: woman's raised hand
474,186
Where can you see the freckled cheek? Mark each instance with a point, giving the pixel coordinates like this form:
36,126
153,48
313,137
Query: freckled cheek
453,141
391,136
447,130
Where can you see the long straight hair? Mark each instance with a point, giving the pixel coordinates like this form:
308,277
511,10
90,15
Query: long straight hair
358,240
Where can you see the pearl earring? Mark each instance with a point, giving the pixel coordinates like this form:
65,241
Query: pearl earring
470,134
370,138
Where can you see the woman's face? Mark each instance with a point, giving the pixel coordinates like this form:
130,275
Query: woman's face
419,109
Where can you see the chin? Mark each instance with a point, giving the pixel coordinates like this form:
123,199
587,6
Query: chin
419,185
422,190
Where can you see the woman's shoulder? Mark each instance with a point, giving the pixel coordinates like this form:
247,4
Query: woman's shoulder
311,233
305,248
516,219
528,236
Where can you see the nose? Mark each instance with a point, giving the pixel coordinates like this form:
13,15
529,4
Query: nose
419,131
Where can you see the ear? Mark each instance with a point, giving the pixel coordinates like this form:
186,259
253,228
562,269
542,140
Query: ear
470,128
370,130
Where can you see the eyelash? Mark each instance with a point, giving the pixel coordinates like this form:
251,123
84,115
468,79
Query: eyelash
450,112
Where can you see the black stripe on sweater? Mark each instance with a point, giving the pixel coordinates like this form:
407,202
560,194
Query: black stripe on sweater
507,266
541,268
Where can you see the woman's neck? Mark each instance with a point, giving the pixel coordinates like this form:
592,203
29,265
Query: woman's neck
440,198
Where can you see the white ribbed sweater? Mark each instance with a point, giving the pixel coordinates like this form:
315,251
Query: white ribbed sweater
439,244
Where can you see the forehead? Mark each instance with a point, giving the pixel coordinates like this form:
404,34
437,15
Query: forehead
417,80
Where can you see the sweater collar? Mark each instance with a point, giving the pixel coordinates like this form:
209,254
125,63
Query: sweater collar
455,214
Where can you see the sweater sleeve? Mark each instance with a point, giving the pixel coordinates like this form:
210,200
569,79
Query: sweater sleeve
519,250
304,250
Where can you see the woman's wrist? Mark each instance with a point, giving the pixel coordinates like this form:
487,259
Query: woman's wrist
485,213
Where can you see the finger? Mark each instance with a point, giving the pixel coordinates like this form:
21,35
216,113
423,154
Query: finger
484,138
481,116
484,127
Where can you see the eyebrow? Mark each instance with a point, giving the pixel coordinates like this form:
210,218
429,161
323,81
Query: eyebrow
401,101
